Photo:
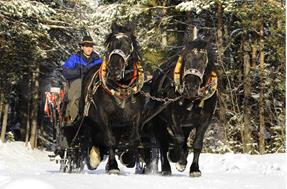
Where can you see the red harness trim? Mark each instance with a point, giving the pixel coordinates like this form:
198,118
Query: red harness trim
135,76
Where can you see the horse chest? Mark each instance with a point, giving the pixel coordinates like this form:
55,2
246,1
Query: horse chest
186,114
124,111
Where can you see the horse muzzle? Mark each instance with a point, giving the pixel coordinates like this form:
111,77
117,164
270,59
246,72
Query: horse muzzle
191,86
115,76
190,94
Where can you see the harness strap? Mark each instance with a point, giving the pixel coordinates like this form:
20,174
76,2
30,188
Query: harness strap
123,91
209,89
176,73
159,110
135,74
193,72
92,88
120,53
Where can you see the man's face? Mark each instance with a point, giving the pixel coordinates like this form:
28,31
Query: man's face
87,49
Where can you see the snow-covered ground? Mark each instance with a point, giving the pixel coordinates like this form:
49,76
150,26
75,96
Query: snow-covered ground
22,168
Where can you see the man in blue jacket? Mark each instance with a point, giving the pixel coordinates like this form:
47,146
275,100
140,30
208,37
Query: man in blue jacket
73,70
78,64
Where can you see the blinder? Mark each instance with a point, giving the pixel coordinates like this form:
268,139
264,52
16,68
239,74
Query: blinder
193,72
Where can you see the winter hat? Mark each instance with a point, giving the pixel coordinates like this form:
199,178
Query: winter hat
87,40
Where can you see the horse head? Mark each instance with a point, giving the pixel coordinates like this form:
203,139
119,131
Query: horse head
122,51
191,66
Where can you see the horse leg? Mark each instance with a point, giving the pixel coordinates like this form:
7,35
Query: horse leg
108,139
178,137
197,147
162,136
130,157
150,155
91,145
102,136
165,166
181,164
112,165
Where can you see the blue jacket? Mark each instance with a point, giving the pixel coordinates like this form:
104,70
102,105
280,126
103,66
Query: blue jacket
77,64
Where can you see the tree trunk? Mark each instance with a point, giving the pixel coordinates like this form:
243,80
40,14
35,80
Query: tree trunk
27,123
261,95
4,122
223,130
254,44
283,70
219,33
254,53
164,32
220,55
34,109
1,104
246,130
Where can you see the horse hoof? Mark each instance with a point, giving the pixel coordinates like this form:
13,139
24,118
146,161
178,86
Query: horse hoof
180,167
195,174
127,159
166,173
95,158
114,172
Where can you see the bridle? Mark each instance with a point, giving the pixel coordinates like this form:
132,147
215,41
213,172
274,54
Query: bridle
196,72
190,71
120,52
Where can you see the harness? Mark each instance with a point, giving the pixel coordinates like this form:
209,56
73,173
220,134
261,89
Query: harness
209,89
122,91
119,91
91,90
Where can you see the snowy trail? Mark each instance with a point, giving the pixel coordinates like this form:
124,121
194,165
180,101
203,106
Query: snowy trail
25,168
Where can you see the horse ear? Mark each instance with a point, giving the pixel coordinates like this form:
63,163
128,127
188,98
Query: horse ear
114,27
130,27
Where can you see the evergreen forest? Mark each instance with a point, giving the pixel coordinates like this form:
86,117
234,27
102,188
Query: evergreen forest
248,36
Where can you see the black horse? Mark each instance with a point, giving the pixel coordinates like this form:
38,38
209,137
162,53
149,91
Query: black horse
188,85
111,101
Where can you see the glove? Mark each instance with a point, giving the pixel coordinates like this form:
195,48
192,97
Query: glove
84,69
88,67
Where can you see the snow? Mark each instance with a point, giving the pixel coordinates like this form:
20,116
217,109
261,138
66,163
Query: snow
21,167
27,8
199,5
